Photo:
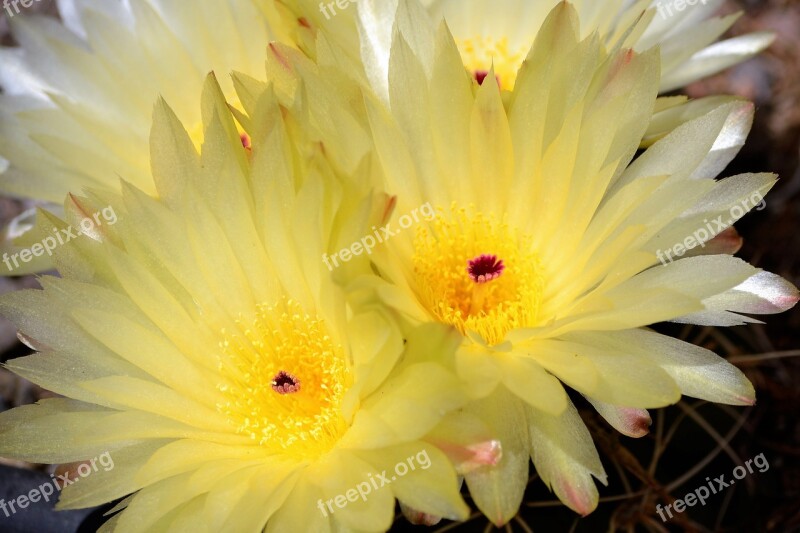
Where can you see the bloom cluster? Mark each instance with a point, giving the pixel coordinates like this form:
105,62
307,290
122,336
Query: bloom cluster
242,382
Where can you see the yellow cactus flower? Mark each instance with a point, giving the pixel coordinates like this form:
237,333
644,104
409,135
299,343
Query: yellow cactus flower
553,245
497,34
686,33
78,97
201,343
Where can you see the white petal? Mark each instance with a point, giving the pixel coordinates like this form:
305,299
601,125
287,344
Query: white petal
673,111
765,293
375,25
71,12
699,373
695,149
717,57
762,293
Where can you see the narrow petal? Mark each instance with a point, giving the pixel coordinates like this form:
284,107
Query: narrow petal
698,372
717,57
498,490
565,457
762,293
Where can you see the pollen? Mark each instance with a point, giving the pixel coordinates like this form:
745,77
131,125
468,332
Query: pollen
284,381
477,273
480,54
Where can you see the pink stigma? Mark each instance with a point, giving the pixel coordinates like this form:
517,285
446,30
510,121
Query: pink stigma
285,383
480,76
485,268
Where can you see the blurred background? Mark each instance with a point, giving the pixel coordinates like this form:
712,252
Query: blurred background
689,442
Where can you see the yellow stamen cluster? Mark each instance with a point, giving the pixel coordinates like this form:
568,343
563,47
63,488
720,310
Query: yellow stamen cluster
442,251
481,53
284,342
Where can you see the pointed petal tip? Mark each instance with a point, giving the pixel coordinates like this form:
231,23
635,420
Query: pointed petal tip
390,202
419,518
746,400
638,422
499,520
30,342
630,421
776,294
788,301
621,62
273,50
582,502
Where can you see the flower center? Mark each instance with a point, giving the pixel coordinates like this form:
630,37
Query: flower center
284,381
480,75
485,268
477,273
481,53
